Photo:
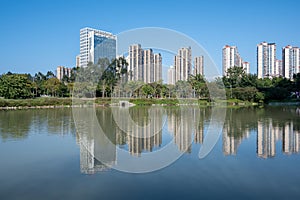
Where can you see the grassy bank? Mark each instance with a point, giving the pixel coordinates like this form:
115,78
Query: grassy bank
42,101
47,101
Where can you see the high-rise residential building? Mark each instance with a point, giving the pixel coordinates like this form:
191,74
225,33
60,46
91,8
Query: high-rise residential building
95,45
144,65
279,68
232,58
183,64
157,67
148,66
77,61
171,76
62,71
290,61
135,65
266,60
246,67
199,65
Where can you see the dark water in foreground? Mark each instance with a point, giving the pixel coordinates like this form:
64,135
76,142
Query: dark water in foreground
256,157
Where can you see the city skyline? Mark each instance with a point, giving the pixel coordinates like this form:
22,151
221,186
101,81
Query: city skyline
50,38
146,65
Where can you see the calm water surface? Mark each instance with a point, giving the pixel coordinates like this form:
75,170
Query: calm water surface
256,157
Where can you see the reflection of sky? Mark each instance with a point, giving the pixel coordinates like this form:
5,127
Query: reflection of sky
48,161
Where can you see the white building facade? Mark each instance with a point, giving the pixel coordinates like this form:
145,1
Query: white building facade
231,58
96,44
183,64
290,61
144,65
266,60
157,67
171,76
199,65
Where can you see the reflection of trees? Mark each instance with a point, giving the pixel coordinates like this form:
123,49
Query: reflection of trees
237,125
60,121
18,124
15,124
106,121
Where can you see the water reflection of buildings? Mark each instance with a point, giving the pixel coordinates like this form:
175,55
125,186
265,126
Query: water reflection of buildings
234,132
185,122
145,133
231,142
97,149
266,138
269,133
290,139
92,149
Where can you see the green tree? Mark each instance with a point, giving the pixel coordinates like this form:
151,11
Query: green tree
147,90
15,86
234,77
52,86
198,84
183,89
297,82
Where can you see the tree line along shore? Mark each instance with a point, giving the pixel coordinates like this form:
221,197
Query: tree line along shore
109,80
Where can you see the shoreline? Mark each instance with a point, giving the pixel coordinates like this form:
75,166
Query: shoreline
51,103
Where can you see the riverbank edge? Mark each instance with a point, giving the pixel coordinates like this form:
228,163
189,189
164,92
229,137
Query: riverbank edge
52,102
47,103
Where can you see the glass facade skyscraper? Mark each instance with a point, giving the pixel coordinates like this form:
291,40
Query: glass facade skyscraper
96,44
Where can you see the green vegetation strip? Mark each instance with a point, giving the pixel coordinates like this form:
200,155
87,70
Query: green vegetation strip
44,102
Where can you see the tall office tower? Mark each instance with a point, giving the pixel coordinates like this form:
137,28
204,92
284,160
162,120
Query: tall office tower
266,60
171,76
95,45
77,61
148,66
183,64
135,67
199,65
291,61
246,67
157,67
63,71
231,58
279,68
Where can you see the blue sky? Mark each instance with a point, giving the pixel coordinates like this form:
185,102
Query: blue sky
40,35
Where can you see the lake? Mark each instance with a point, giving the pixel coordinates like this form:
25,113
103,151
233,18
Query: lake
46,154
